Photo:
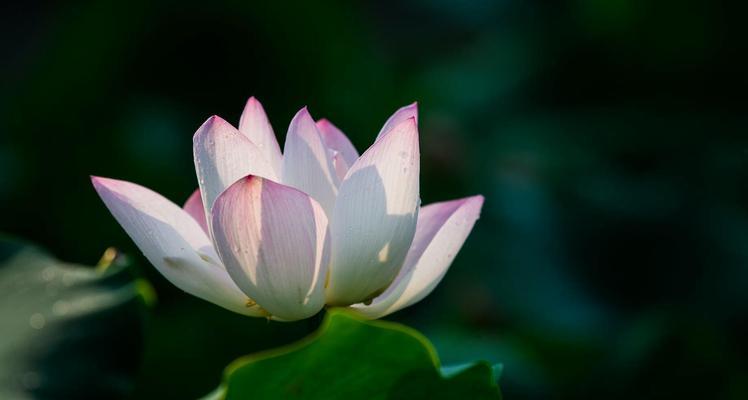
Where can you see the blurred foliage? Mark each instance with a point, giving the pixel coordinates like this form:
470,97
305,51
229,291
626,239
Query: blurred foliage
68,331
353,358
609,138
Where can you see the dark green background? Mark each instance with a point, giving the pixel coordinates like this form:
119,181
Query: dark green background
609,138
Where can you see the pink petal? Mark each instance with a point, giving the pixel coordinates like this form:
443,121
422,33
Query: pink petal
374,218
336,140
272,239
341,167
194,207
254,125
222,156
441,231
173,242
402,114
306,163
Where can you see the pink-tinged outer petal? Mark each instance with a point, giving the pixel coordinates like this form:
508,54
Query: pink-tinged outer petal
306,163
255,126
194,207
402,114
374,218
173,242
223,156
272,240
336,140
442,229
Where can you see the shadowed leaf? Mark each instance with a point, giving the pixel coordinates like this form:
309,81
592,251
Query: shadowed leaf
353,358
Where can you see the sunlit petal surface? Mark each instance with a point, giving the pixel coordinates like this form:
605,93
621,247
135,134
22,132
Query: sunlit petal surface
317,225
375,217
173,242
272,240
307,165
441,230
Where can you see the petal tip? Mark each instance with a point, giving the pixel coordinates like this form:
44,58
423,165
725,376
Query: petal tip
477,199
97,182
209,125
325,127
302,118
106,187
409,126
102,182
253,103
473,204
217,120
301,115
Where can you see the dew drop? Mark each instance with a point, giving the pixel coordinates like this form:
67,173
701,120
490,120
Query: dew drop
48,274
37,321
61,307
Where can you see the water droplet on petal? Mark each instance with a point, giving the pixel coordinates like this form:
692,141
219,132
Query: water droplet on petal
48,274
61,307
37,321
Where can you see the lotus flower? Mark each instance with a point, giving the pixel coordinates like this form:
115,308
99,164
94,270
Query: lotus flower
282,235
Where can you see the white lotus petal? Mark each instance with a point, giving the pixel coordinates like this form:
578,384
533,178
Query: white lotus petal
254,125
374,218
336,140
402,114
442,229
222,156
340,165
272,239
173,242
307,165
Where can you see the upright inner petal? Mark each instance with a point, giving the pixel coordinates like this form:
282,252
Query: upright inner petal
336,140
307,165
375,217
402,114
255,126
222,156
